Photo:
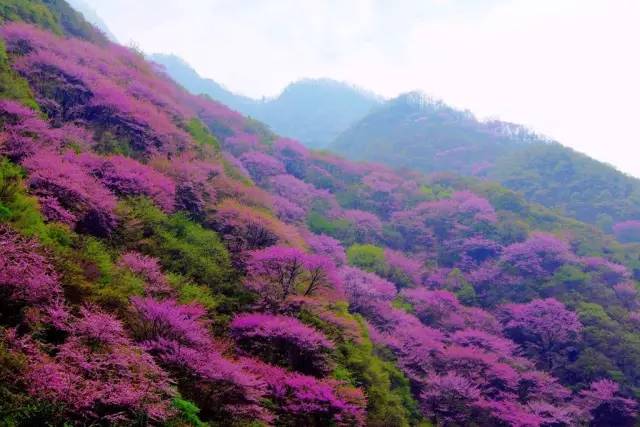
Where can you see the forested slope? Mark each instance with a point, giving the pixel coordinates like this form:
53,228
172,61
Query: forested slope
413,131
167,261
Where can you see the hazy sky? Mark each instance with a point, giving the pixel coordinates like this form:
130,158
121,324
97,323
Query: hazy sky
567,68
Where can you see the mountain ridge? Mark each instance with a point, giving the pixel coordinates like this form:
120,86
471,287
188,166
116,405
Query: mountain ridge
432,137
313,111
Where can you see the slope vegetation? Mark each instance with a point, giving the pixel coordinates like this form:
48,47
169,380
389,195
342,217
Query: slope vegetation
167,261
314,111
415,132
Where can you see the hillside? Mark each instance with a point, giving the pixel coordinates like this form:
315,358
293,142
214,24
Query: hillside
415,132
182,73
92,17
168,261
313,111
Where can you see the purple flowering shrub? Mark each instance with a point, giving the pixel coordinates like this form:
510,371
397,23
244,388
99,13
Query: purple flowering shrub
283,341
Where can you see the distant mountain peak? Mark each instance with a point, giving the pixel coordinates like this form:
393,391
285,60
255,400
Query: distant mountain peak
420,99
313,110
330,86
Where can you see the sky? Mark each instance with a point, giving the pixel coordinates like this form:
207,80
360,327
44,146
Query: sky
569,69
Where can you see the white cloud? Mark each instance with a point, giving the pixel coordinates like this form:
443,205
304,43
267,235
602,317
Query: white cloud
567,68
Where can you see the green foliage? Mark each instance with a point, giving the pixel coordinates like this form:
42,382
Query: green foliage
402,304
573,183
113,286
337,228
201,134
73,22
12,86
187,413
189,292
389,399
569,277
233,172
182,246
388,392
592,365
107,143
31,11
367,257
466,294
16,207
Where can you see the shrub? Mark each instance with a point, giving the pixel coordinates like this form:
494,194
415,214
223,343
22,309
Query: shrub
283,341
181,245
278,272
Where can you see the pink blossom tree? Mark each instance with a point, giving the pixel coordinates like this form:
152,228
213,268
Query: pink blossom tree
537,257
324,245
283,341
278,272
97,374
627,231
77,193
261,166
127,177
177,336
364,288
305,400
149,269
26,276
606,407
543,327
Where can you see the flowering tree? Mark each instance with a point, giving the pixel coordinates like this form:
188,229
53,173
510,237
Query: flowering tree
261,166
627,231
149,269
537,257
127,177
294,156
97,373
178,338
605,271
606,407
25,133
279,272
543,327
450,396
77,193
402,270
364,288
99,84
283,341
305,400
322,244
243,228
436,308
297,191
367,226
287,210
26,276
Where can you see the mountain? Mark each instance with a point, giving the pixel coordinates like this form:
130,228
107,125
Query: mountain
92,17
181,72
55,15
413,131
313,111
166,260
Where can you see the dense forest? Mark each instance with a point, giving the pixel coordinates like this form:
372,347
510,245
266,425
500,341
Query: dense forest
165,260
416,132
